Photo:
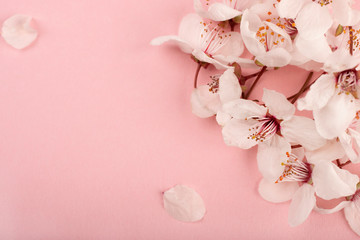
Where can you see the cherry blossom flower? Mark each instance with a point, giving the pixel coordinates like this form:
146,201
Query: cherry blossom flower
268,42
333,97
207,42
222,11
301,180
312,20
272,127
207,100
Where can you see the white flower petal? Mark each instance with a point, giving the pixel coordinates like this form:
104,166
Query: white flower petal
352,215
250,23
356,143
242,109
333,119
184,204
203,57
332,182
347,143
329,152
184,46
302,204
236,133
190,30
229,87
204,103
277,192
17,31
319,94
302,130
233,47
337,208
222,118
277,104
344,13
277,57
271,155
316,49
313,21
340,60
221,12
289,8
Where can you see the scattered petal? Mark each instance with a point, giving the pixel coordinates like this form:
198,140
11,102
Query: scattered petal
17,31
184,204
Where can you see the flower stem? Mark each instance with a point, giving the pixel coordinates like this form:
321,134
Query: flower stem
255,82
303,88
341,165
197,75
247,77
351,34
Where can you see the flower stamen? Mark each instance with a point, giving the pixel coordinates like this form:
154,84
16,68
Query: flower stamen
295,170
266,127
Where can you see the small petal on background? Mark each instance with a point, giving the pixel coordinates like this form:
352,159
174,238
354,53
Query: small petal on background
184,204
17,31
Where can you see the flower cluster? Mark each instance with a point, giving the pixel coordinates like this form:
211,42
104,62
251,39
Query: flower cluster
300,158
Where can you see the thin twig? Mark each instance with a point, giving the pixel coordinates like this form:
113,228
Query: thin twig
250,76
197,75
255,82
344,164
302,89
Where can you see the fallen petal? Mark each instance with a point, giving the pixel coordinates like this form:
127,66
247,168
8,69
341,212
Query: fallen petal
184,204
17,31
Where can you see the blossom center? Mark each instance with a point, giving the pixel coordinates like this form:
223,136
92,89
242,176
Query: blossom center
323,2
214,84
347,81
290,27
295,170
213,37
266,127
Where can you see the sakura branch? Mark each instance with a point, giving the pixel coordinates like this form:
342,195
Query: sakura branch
297,156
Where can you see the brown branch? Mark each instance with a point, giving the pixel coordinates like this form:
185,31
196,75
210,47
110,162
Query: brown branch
303,88
255,82
197,75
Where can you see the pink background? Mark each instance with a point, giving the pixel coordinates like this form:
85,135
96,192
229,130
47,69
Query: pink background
95,124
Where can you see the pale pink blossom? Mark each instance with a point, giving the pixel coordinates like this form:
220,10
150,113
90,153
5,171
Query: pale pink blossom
273,127
301,180
208,42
